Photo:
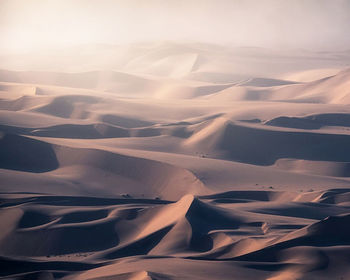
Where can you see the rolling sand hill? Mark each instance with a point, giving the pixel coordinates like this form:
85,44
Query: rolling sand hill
175,161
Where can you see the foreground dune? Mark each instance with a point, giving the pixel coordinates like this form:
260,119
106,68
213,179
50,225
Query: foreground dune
176,162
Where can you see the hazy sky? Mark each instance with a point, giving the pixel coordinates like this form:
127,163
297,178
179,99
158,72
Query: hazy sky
312,24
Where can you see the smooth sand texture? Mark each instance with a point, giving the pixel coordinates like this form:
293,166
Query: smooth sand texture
175,161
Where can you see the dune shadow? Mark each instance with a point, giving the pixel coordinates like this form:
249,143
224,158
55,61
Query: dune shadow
264,147
26,154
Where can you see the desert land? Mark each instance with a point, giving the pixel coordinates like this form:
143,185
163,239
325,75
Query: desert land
175,161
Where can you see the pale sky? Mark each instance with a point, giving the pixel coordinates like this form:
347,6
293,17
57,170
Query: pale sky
310,24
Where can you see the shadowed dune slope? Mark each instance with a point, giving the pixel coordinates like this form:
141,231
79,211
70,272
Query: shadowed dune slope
25,154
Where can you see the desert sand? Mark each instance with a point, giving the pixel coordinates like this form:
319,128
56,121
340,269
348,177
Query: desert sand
175,161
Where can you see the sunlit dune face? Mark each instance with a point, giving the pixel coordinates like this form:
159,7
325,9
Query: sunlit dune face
28,24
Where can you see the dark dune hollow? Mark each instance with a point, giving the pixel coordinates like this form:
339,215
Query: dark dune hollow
25,154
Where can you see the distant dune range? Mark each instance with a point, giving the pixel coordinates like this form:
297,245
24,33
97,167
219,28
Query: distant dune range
175,161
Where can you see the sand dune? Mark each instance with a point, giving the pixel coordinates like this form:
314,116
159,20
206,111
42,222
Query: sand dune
263,82
336,169
254,144
94,168
328,90
312,121
333,89
107,81
190,229
175,161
